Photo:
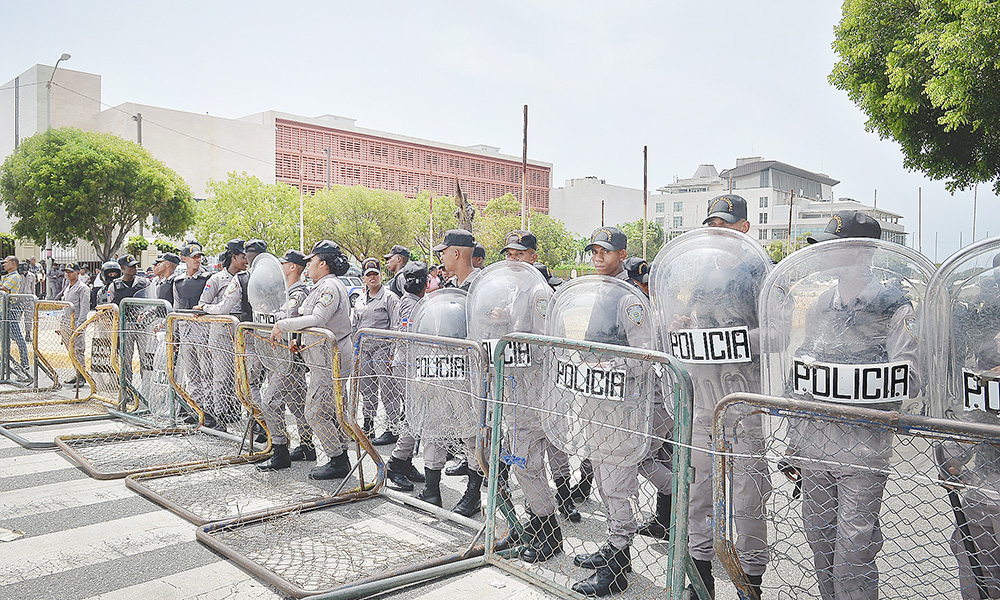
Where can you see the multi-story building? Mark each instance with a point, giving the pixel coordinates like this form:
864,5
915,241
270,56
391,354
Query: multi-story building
780,197
311,153
587,203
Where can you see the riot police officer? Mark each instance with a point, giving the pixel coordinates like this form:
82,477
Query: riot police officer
327,306
192,337
395,260
128,285
456,254
168,273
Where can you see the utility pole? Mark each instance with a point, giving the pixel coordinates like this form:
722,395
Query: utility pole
524,174
920,224
302,205
645,197
975,201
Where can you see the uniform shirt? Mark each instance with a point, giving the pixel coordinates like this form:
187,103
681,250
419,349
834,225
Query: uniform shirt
120,289
453,280
401,315
230,300
294,298
188,289
27,283
11,283
78,296
327,306
396,285
376,312
215,288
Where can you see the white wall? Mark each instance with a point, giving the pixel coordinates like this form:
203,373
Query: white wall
578,205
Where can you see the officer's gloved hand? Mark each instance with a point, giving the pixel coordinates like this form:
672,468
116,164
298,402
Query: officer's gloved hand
792,473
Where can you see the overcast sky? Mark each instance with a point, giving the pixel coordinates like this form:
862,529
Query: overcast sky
698,82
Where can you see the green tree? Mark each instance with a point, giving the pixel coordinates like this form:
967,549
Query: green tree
654,238
363,222
136,244
245,207
166,246
926,74
503,215
419,209
66,184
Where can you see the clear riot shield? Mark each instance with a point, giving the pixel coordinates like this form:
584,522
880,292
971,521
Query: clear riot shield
596,404
267,292
439,407
704,287
508,297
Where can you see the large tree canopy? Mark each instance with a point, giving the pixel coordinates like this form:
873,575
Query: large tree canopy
66,184
503,215
364,222
927,74
244,207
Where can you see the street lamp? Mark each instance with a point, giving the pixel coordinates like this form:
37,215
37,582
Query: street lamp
48,92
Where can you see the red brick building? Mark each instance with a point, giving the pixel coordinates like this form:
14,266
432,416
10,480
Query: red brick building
346,155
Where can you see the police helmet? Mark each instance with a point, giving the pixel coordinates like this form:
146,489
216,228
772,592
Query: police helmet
414,276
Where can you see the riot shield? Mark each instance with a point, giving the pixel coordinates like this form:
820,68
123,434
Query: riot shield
599,404
440,403
963,361
508,297
839,325
267,292
704,287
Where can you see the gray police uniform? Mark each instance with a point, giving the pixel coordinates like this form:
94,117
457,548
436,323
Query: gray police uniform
192,338
328,307
841,504
117,291
619,484
376,313
288,389
221,348
406,444
232,301
78,296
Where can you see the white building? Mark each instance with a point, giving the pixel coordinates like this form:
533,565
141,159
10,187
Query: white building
774,191
588,203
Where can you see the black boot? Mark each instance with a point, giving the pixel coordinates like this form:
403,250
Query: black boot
564,498
259,433
304,451
279,459
387,437
545,539
471,501
581,490
412,473
394,472
609,578
432,487
458,470
658,526
756,581
338,468
368,427
704,568
598,559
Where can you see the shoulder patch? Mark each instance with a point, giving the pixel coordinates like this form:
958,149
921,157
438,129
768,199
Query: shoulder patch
292,302
542,306
326,299
635,313
233,286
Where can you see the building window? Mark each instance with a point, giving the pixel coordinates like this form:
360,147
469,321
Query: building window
762,218
763,201
659,206
678,207
678,222
762,234
765,178
659,221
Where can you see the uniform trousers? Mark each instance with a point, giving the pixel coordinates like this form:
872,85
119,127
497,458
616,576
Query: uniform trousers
321,401
376,380
222,395
194,363
983,519
287,389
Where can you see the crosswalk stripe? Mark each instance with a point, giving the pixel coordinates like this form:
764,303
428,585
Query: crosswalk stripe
31,557
58,496
36,462
221,577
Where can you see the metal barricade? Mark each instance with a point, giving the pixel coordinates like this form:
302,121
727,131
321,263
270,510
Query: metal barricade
142,350
880,464
113,456
18,312
339,548
557,402
219,492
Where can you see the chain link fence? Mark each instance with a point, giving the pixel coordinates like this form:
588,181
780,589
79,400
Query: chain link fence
857,505
559,405
338,546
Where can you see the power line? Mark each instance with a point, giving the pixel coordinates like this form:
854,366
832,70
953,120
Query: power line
147,121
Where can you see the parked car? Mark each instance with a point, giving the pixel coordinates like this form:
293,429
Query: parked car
354,287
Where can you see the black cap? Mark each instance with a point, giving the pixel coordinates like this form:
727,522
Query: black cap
456,237
71,266
191,249
478,250
609,238
324,247
127,261
294,257
171,257
400,250
520,240
551,279
236,246
370,264
848,224
728,207
637,268
257,246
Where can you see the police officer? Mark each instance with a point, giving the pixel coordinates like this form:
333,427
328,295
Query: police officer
222,296
374,311
456,254
857,321
327,306
192,337
168,274
625,324
400,471
638,272
395,260
289,389
77,294
110,271
127,285
479,256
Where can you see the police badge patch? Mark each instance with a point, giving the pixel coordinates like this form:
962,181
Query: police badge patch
542,306
233,286
635,313
326,299
292,303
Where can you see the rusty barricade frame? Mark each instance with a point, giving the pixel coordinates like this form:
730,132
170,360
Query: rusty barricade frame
934,430
140,482
347,411
66,442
